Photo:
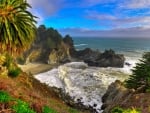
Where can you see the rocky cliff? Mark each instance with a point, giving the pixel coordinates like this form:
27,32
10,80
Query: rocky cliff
119,96
50,47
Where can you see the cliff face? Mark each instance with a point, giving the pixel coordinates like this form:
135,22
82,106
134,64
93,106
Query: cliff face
60,55
49,47
118,95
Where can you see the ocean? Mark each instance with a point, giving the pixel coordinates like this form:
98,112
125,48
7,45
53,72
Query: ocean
86,84
130,47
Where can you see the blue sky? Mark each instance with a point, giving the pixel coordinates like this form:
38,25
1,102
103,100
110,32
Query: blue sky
98,18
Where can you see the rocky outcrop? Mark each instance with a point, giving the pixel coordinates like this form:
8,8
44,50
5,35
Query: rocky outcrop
116,95
87,54
106,59
50,47
60,55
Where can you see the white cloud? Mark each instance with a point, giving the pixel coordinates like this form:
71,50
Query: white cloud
90,3
114,21
97,16
136,4
47,7
135,32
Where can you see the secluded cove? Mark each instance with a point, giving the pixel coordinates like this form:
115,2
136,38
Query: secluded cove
85,85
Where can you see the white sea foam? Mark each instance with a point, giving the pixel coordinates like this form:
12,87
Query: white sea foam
78,45
81,82
130,63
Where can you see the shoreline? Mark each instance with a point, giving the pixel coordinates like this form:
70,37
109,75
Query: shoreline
36,68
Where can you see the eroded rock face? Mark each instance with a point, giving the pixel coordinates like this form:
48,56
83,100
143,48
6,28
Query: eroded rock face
51,48
116,95
87,54
58,56
106,59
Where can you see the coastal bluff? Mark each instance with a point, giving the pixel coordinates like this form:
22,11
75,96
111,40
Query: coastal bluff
51,48
117,95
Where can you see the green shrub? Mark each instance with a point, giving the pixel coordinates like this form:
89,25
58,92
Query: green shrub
46,109
71,110
140,77
22,107
14,72
117,110
4,97
121,110
8,61
21,60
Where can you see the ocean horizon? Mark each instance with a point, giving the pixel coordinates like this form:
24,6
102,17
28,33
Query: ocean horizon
130,47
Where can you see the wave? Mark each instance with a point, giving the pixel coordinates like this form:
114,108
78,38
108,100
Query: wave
78,45
82,82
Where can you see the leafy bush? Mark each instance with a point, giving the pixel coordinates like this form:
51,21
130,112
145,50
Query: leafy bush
71,110
4,97
22,107
2,59
21,60
121,110
46,109
8,61
14,72
141,75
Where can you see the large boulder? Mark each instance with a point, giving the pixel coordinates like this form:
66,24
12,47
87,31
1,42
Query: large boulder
87,54
116,95
106,59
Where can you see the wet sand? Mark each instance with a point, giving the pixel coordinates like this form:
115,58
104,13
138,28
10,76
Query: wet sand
35,68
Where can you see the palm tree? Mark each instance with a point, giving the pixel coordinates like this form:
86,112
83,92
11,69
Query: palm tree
17,26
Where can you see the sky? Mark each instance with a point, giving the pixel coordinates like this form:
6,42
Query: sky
95,18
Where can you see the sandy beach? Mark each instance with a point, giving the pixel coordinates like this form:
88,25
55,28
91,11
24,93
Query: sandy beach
35,68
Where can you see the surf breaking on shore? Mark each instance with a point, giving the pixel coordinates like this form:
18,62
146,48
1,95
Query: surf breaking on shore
84,84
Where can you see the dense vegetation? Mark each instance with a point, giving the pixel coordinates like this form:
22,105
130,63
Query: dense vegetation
17,26
121,110
48,37
24,94
140,79
18,105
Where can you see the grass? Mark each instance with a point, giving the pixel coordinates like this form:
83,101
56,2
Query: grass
22,107
25,92
47,109
4,97
121,110
72,110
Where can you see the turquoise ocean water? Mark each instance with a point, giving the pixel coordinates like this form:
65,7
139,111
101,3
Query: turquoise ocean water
130,47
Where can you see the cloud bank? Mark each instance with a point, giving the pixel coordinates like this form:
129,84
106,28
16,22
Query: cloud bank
137,32
116,18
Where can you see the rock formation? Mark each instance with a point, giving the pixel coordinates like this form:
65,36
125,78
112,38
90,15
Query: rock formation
106,59
116,95
50,47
